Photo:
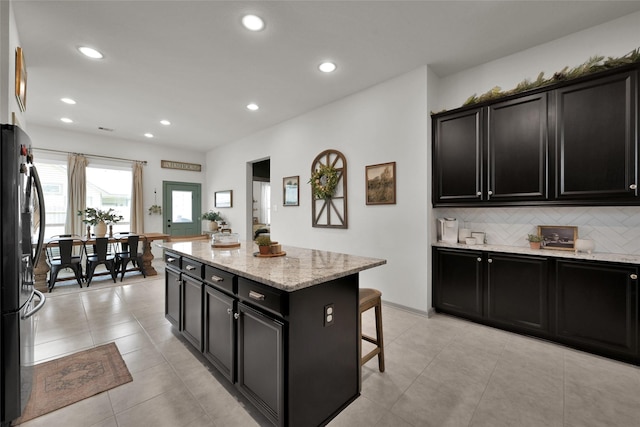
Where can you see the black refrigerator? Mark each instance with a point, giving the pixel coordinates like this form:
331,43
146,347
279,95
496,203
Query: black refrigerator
21,237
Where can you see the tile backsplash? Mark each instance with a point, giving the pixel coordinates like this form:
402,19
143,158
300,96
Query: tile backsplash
614,229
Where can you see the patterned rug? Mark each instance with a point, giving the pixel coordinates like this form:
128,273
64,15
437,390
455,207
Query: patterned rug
69,379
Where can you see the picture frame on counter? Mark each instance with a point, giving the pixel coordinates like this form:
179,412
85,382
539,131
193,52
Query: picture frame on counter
223,199
558,237
381,184
291,190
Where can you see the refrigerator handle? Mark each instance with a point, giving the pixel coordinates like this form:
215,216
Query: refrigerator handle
37,308
38,186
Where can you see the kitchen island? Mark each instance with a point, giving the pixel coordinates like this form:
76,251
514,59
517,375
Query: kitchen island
285,330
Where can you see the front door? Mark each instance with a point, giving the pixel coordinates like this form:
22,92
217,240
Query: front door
182,201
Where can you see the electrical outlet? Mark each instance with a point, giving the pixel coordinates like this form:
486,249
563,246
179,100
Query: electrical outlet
329,315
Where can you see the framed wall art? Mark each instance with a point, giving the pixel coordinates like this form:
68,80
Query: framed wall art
558,237
223,199
21,80
381,184
291,190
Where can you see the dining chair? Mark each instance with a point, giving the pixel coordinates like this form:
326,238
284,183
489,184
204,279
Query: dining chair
100,254
60,255
129,253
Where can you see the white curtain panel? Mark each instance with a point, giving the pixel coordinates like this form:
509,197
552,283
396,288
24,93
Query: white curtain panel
77,197
137,208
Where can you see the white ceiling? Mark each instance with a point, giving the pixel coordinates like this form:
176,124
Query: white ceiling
192,63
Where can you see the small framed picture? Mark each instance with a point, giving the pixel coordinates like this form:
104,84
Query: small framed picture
21,80
381,184
558,237
223,199
290,190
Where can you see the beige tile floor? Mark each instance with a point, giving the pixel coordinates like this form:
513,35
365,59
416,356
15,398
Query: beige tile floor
440,371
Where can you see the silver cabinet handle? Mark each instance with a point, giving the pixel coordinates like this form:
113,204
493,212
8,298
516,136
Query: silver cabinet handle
170,259
190,267
479,193
236,316
633,186
489,260
490,192
229,311
633,276
479,259
255,295
217,278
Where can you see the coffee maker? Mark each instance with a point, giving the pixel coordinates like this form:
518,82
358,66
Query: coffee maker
448,230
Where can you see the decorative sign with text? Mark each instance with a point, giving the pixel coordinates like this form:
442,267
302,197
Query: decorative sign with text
168,164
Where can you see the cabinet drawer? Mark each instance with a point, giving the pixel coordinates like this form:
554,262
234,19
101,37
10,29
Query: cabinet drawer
172,259
263,296
220,279
192,267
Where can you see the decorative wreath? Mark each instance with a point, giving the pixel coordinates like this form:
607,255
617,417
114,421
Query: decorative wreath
323,181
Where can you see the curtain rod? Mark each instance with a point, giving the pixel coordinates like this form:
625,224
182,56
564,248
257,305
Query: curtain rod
144,162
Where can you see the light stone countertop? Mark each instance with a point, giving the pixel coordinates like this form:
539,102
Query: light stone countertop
525,250
298,269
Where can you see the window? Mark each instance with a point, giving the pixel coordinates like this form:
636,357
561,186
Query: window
108,186
53,176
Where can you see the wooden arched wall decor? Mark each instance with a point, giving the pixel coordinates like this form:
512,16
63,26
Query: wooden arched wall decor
332,211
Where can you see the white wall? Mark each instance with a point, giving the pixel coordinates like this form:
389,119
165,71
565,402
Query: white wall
9,40
386,123
614,229
615,38
153,176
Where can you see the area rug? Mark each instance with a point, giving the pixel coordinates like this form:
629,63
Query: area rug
69,379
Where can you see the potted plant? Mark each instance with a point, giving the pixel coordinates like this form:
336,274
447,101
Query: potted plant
264,244
155,209
99,219
213,217
534,241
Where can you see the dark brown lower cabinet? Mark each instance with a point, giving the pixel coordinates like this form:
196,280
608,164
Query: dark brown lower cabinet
173,297
516,294
297,367
220,331
597,307
261,361
589,305
192,310
457,282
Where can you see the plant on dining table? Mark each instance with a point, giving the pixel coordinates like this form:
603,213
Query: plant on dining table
93,216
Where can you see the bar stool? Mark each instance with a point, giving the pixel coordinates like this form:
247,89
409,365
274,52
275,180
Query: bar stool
372,298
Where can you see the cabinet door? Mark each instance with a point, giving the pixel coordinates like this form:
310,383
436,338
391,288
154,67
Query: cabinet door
458,282
219,331
261,362
517,146
597,307
192,311
457,158
595,139
517,294
173,297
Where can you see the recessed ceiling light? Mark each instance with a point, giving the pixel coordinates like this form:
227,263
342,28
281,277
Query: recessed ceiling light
252,107
253,22
66,120
165,122
68,101
148,135
327,67
90,52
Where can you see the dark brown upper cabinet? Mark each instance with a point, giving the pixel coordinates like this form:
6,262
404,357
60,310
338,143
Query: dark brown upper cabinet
596,141
573,143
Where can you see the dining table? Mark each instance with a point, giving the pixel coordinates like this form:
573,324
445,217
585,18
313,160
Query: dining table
42,268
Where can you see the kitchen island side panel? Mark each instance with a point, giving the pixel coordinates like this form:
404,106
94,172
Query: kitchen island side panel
324,357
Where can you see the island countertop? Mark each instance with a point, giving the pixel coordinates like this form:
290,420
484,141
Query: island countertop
298,269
